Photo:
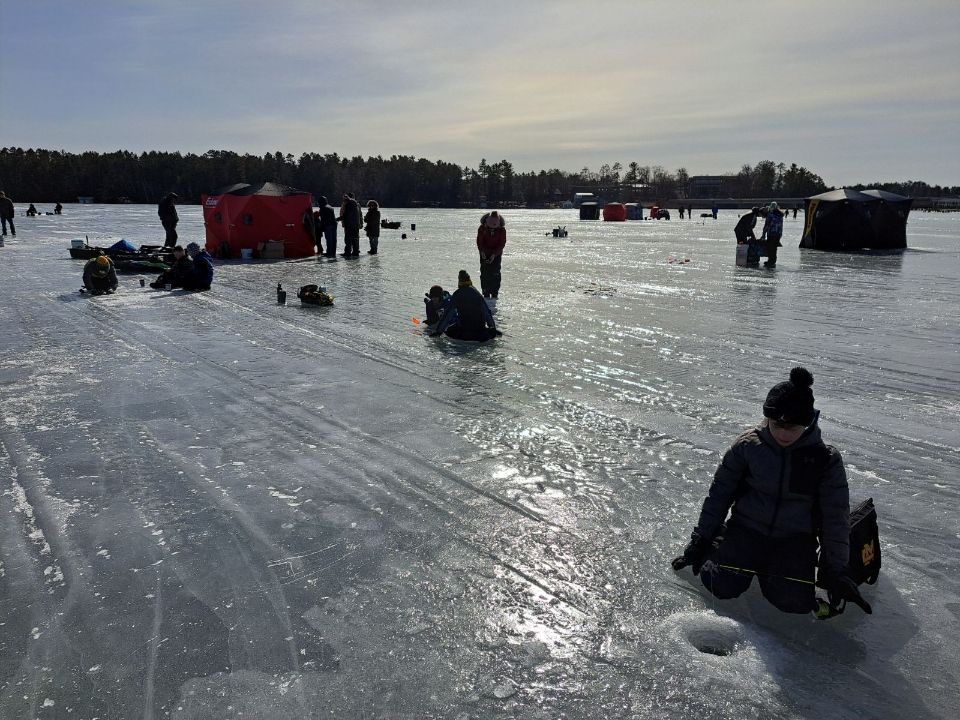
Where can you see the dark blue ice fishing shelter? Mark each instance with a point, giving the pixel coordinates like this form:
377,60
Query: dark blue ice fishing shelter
848,219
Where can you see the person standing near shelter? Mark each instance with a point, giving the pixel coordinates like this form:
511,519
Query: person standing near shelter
328,226
491,239
352,218
772,232
167,210
372,226
6,214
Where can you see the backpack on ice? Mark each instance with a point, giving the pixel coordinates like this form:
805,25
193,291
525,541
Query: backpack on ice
314,295
864,543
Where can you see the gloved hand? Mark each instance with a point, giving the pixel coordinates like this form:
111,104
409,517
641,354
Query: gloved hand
842,587
694,554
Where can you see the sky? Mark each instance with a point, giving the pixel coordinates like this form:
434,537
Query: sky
854,91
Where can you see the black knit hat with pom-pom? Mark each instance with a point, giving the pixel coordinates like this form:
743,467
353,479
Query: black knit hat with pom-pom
792,401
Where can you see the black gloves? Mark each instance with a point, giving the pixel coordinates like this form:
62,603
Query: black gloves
842,588
694,554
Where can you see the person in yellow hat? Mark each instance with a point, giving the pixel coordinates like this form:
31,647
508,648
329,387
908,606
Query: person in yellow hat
99,275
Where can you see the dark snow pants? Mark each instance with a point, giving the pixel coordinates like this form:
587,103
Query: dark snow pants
6,220
773,242
785,567
351,241
330,237
490,277
171,229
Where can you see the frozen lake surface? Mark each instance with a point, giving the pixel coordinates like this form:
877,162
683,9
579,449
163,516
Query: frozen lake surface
214,507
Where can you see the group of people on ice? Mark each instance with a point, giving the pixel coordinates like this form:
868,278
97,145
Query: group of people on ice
778,507
353,219
769,236
192,269
466,314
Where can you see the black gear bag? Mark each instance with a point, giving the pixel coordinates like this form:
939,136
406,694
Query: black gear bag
864,543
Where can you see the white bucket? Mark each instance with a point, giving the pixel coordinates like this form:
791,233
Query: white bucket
246,253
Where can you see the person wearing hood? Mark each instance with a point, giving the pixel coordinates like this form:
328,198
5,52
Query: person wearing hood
202,277
32,211
372,226
167,210
772,232
352,218
99,275
469,317
491,239
778,495
327,225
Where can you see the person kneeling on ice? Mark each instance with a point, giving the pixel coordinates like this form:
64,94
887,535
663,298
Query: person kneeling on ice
785,492
202,276
470,317
438,302
99,275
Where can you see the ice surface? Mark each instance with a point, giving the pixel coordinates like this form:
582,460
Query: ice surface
213,506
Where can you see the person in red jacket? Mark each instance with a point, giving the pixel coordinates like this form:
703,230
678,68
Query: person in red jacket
491,239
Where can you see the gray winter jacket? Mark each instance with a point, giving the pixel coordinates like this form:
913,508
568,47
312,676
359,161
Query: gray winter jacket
783,491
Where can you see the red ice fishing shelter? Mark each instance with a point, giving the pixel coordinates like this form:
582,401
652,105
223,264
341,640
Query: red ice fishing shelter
256,218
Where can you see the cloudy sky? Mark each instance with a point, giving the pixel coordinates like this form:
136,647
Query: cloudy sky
855,91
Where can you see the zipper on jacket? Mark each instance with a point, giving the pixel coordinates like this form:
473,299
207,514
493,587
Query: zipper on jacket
776,509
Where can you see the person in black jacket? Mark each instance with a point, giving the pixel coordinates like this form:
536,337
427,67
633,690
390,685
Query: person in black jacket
327,226
778,494
745,226
470,318
167,210
352,218
6,213
179,274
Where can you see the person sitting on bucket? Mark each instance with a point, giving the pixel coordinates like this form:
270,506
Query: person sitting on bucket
472,319
202,276
438,302
785,492
99,275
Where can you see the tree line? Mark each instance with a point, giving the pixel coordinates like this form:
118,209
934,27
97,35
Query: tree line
37,175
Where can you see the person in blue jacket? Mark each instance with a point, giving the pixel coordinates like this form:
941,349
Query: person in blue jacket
438,303
772,232
202,277
472,319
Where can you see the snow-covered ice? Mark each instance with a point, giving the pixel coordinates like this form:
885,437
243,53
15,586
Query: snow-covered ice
213,506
